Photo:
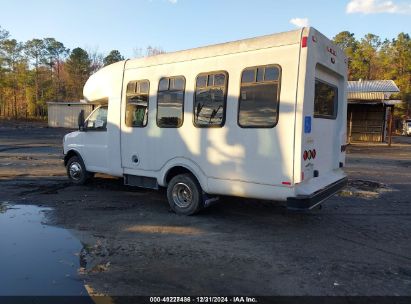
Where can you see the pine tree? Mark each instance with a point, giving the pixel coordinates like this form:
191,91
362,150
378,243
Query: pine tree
112,57
79,69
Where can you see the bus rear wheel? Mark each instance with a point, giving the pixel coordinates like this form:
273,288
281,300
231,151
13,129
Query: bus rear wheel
184,194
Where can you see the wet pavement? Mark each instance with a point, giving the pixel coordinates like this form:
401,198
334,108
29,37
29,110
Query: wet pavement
37,259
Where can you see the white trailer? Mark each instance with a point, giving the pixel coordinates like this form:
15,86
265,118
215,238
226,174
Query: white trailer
260,118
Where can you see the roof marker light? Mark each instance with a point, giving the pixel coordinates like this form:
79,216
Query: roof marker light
304,42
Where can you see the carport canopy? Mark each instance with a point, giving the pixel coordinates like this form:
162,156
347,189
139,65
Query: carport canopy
369,108
371,89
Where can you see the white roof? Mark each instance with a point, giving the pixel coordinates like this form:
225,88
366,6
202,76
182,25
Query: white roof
372,86
371,89
262,42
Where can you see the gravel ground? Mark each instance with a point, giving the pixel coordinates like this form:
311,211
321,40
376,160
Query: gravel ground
359,243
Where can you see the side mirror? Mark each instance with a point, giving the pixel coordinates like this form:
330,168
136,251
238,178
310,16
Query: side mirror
81,120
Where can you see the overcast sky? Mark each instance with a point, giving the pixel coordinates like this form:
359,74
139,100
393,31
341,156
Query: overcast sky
180,24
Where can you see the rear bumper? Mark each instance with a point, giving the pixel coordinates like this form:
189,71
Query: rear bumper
306,202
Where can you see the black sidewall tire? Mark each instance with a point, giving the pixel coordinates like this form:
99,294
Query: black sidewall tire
85,175
197,203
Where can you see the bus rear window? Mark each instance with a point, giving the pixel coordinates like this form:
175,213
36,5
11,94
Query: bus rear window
325,100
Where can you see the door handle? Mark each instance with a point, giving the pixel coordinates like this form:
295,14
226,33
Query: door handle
135,159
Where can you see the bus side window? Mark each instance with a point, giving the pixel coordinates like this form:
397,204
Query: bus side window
170,102
210,99
137,103
259,97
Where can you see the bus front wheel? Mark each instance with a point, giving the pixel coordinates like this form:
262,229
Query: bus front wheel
184,194
76,171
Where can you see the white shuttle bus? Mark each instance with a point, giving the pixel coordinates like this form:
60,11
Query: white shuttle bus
259,118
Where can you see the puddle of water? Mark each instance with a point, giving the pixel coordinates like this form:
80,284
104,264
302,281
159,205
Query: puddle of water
364,189
36,259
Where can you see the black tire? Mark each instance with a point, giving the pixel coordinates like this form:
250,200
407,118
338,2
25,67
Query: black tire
184,194
76,171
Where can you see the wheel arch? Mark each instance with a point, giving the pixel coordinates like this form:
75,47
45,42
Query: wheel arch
181,167
70,154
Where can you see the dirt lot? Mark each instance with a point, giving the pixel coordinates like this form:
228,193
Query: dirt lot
358,244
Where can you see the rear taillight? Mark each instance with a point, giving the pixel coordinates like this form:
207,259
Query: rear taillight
309,154
313,153
304,42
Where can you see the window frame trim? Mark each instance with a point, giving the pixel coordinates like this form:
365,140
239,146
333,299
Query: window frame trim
184,96
333,117
224,96
148,102
279,81
86,129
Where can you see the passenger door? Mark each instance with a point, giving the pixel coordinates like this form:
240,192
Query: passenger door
134,121
95,141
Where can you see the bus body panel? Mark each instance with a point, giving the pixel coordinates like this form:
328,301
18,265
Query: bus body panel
231,153
265,163
321,61
105,88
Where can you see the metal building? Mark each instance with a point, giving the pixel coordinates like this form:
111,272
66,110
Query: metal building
369,108
65,114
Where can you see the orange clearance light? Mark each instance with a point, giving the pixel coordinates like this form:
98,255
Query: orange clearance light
304,42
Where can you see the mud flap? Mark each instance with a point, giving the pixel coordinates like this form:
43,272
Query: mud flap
209,200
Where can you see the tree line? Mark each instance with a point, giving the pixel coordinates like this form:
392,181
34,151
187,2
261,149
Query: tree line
371,58
41,70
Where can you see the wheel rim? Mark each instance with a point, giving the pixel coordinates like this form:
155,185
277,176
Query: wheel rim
182,195
75,171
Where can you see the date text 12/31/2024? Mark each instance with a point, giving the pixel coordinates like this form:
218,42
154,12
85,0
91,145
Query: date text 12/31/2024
203,300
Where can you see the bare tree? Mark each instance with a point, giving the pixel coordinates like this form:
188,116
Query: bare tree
154,50
137,52
96,58
149,51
